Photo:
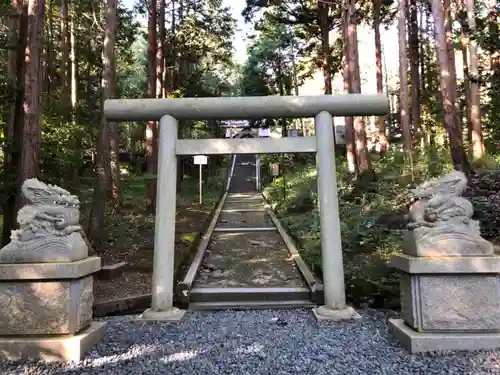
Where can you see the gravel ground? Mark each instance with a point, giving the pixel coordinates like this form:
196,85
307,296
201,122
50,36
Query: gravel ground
259,342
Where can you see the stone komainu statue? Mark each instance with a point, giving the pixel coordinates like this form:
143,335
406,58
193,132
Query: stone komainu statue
49,227
441,220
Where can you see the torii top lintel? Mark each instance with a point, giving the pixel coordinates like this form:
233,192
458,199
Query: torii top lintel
246,107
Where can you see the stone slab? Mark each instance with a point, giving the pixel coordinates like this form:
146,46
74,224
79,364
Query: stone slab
172,315
464,302
419,342
46,249
52,348
324,313
45,307
47,271
244,196
241,260
257,219
445,243
121,305
110,271
445,265
254,204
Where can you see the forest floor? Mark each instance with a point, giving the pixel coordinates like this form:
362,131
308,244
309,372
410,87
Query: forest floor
131,233
373,218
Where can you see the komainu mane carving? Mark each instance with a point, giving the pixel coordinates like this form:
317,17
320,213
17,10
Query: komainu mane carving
441,220
49,227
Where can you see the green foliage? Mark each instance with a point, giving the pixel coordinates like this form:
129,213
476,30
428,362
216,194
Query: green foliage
130,234
268,68
199,47
303,19
371,221
58,159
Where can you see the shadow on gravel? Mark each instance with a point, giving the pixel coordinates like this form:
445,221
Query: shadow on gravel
259,342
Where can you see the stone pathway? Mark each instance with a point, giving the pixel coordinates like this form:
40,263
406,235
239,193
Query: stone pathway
241,257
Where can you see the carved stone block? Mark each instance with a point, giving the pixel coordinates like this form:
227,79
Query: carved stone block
450,283
46,249
46,282
45,307
49,228
444,244
451,302
52,348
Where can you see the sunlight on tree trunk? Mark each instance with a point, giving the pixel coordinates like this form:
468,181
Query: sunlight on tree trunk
96,223
73,69
323,12
475,95
403,80
114,138
160,53
450,49
363,159
458,154
151,127
160,92
464,47
380,120
30,150
65,40
349,121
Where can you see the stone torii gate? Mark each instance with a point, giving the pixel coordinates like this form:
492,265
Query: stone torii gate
169,111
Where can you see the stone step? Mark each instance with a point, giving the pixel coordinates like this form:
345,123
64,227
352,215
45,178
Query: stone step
255,295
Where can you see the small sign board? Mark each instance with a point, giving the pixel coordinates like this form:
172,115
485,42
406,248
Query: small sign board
264,132
274,168
340,134
200,159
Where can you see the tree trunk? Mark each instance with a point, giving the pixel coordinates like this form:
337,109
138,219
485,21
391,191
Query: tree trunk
494,54
27,131
403,79
65,50
160,53
49,43
72,68
431,86
458,155
349,121
97,214
114,138
493,31
363,159
380,120
422,54
12,77
413,43
450,47
30,154
464,47
160,92
279,65
323,11
475,95
17,34
151,127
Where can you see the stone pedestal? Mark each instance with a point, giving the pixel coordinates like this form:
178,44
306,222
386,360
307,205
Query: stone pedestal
46,310
448,303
